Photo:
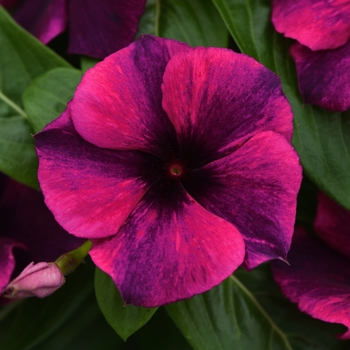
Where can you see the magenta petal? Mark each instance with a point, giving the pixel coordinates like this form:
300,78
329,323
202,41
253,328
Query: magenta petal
254,188
318,24
25,218
99,28
45,19
332,224
7,260
218,99
318,280
324,76
90,190
169,249
118,103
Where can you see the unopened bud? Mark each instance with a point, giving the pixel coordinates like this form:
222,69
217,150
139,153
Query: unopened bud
39,280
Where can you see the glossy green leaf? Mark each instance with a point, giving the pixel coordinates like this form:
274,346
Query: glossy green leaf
232,316
322,138
61,321
22,59
196,22
125,320
46,98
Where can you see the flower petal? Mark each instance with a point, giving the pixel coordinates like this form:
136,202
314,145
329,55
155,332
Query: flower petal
318,280
45,19
26,219
324,76
332,224
318,24
118,103
170,248
254,188
7,260
99,28
90,190
217,99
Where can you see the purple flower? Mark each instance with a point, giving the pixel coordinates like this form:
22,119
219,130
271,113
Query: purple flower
96,28
27,224
38,280
322,54
318,278
176,162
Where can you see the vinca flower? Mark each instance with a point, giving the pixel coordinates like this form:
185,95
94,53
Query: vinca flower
176,162
27,224
322,53
318,278
96,28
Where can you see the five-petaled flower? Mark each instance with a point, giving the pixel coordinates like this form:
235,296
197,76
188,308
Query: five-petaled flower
27,224
176,162
318,278
97,28
322,54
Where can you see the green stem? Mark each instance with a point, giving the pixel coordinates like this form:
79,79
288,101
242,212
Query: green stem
13,105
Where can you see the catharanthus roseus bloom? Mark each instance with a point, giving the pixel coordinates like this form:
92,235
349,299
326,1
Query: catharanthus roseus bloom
96,27
27,224
176,162
318,278
322,54
36,280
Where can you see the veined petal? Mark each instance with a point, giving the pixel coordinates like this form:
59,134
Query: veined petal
318,280
254,188
118,103
318,24
100,28
324,76
90,190
45,19
26,219
7,260
332,224
170,248
218,99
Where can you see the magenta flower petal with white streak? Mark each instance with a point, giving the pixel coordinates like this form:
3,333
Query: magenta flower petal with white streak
318,279
125,167
317,24
324,76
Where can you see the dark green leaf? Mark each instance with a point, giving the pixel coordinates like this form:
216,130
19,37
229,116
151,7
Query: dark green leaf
22,59
321,138
232,316
125,320
46,98
196,22
87,62
68,319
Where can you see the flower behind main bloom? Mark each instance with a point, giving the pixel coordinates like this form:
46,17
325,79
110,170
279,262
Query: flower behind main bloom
96,28
322,53
176,162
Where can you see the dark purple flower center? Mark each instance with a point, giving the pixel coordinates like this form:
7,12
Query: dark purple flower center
175,170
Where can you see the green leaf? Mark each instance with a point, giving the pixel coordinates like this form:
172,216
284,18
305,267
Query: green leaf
196,22
22,59
87,62
231,316
46,98
124,319
322,138
68,319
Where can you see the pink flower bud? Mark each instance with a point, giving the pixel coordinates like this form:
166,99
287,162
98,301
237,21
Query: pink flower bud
38,280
